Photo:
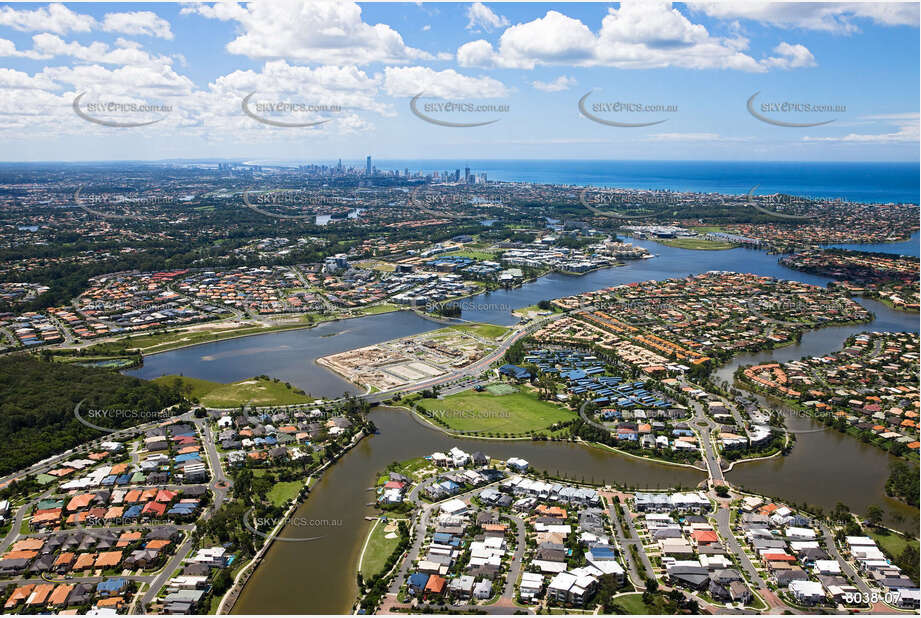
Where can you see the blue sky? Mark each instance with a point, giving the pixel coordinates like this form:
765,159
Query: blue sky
355,68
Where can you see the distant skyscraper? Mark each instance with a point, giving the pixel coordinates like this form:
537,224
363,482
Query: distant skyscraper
467,175
456,175
368,166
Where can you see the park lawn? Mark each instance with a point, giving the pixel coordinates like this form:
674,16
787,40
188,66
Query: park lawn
72,358
175,339
633,604
698,244
487,331
256,392
378,550
199,388
283,491
381,308
484,412
188,337
536,309
708,229
409,468
891,543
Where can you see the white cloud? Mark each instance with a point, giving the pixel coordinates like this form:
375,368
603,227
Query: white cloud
345,86
558,140
149,80
58,19
356,94
137,23
53,18
907,125
481,17
637,35
311,31
790,57
8,50
828,16
42,103
693,137
18,80
563,82
902,116
410,81
125,53
552,39
476,54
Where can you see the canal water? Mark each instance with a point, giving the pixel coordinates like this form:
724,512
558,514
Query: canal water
323,571
825,467
825,340
911,247
670,262
289,356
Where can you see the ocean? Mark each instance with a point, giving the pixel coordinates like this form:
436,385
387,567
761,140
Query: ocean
856,182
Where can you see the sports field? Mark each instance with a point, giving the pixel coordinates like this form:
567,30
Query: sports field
501,389
516,412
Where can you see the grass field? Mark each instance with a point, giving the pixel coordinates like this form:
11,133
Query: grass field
255,392
501,389
375,309
535,309
633,604
487,331
484,412
892,543
165,341
199,388
162,342
104,363
283,491
411,468
379,548
698,244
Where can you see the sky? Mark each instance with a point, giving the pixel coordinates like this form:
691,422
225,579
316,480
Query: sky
693,81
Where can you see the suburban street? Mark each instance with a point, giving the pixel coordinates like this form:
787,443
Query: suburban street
626,535
722,520
633,570
419,528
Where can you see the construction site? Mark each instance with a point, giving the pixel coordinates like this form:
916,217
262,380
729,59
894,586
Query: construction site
398,362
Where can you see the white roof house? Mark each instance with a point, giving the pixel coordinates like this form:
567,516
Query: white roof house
827,567
800,534
454,507
805,591
516,463
531,583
